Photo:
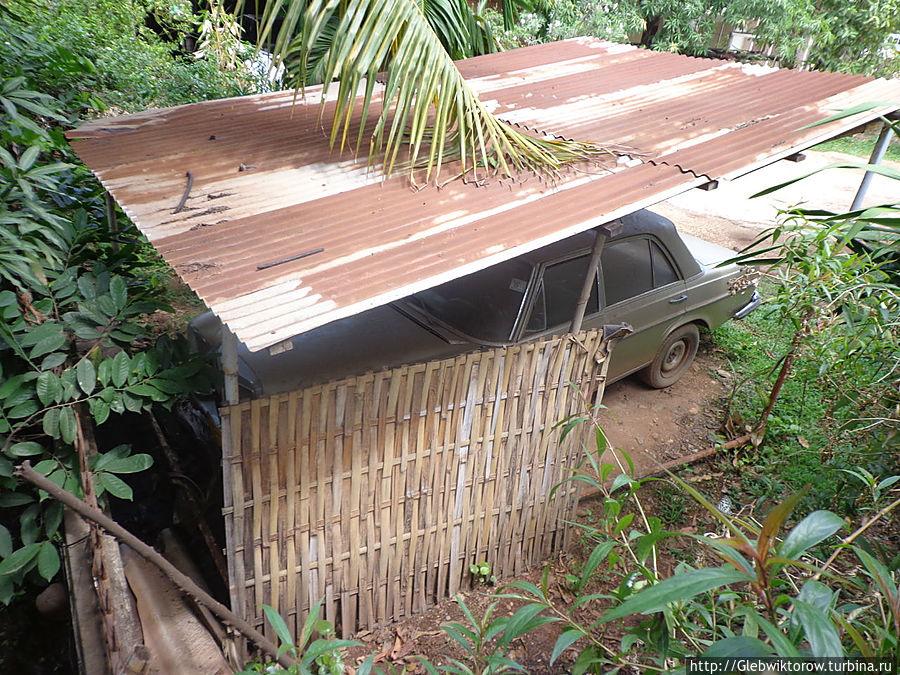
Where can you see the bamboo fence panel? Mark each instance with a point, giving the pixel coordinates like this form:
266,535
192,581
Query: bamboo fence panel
376,493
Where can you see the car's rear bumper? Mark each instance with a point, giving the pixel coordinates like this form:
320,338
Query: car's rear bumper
755,301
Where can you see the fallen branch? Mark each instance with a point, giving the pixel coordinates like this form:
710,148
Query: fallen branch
183,582
682,461
697,456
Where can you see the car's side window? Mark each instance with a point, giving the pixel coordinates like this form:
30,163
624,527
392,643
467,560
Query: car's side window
557,294
663,271
634,266
626,269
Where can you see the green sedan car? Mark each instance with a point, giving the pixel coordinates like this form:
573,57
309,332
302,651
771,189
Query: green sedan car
664,285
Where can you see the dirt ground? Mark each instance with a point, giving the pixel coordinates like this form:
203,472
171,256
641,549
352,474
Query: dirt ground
653,426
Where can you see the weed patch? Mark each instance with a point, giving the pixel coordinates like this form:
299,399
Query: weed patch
814,434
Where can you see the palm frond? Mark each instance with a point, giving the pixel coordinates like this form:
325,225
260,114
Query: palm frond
426,105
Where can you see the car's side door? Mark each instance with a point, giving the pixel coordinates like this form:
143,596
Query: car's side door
642,286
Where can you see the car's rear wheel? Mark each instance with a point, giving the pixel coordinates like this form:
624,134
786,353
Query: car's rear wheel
673,358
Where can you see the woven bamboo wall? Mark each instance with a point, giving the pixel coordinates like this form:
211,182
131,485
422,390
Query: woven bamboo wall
377,492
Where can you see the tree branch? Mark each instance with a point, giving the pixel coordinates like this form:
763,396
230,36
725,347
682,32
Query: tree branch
183,582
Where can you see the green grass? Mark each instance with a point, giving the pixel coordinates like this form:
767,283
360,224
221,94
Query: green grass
810,436
860,145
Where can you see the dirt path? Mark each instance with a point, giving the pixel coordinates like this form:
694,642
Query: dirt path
681,420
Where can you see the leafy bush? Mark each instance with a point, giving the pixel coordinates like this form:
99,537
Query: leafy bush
103,54
74,349
773,595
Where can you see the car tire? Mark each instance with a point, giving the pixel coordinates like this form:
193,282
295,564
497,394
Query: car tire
673,358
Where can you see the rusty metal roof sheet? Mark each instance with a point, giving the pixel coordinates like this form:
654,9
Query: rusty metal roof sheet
266,187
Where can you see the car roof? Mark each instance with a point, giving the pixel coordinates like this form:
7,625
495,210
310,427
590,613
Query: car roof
637,223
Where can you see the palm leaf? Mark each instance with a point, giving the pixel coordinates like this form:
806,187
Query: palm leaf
426,105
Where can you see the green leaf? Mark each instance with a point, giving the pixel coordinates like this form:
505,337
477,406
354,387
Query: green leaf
365,668
44,467
48,561
28,529
10,386
50,423
42,331
529,588
824,639
26,161
524,620
6,545
26,449
68,425
783,646
87,375
853,110
132,464
873,168
70,387
816,527
53,360
99,410
566,639
142,390
598,555
586,660
321,646
121,367
115,485
49,344
53,516
881,575
116,404
7,590
132,403
48,388
6,467
739,646
8,499
676,588
18,559
107,305
104,371
620,480
87,287
23,410
118,291
278,625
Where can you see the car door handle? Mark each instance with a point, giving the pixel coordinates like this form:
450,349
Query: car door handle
680,298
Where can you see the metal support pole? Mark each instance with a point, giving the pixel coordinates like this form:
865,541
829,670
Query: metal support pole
881,146
600,237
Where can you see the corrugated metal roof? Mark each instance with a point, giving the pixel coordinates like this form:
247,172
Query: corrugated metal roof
266,187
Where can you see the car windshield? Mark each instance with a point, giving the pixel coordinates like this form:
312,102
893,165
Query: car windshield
483,305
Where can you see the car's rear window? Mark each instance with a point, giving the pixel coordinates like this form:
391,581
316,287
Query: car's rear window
483,305
634,266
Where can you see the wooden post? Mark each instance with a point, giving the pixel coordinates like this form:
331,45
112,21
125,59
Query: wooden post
232,398
112,221
600,237
230,366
